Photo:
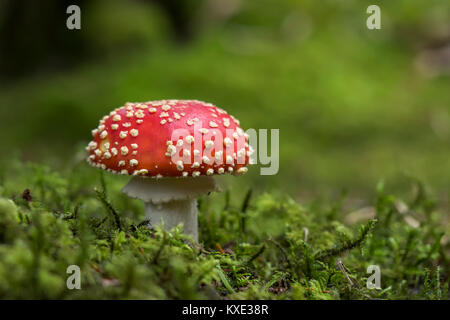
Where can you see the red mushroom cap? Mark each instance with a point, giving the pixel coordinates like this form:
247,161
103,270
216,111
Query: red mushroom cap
170,138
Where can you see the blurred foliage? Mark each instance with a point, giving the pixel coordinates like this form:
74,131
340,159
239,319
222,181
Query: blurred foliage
352,105
268,247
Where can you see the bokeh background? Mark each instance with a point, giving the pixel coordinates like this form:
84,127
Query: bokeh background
353,105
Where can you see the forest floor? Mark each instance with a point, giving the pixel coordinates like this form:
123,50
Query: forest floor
263,247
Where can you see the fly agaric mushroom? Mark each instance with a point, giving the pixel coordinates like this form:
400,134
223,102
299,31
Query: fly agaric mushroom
171,148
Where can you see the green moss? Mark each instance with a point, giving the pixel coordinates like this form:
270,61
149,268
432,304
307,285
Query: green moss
268,247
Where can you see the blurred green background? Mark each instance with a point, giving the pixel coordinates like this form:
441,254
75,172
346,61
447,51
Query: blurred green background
353,105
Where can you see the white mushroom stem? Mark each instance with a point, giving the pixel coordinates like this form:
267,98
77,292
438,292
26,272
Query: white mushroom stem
173,213
171,200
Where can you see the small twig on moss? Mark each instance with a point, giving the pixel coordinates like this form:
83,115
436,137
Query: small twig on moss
344,270
220,248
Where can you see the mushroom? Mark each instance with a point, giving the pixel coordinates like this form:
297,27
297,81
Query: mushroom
172,148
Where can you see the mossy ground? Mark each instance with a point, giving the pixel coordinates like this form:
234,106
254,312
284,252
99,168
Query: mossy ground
251,246
353,106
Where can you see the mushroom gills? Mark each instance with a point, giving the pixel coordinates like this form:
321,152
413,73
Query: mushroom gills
172,200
